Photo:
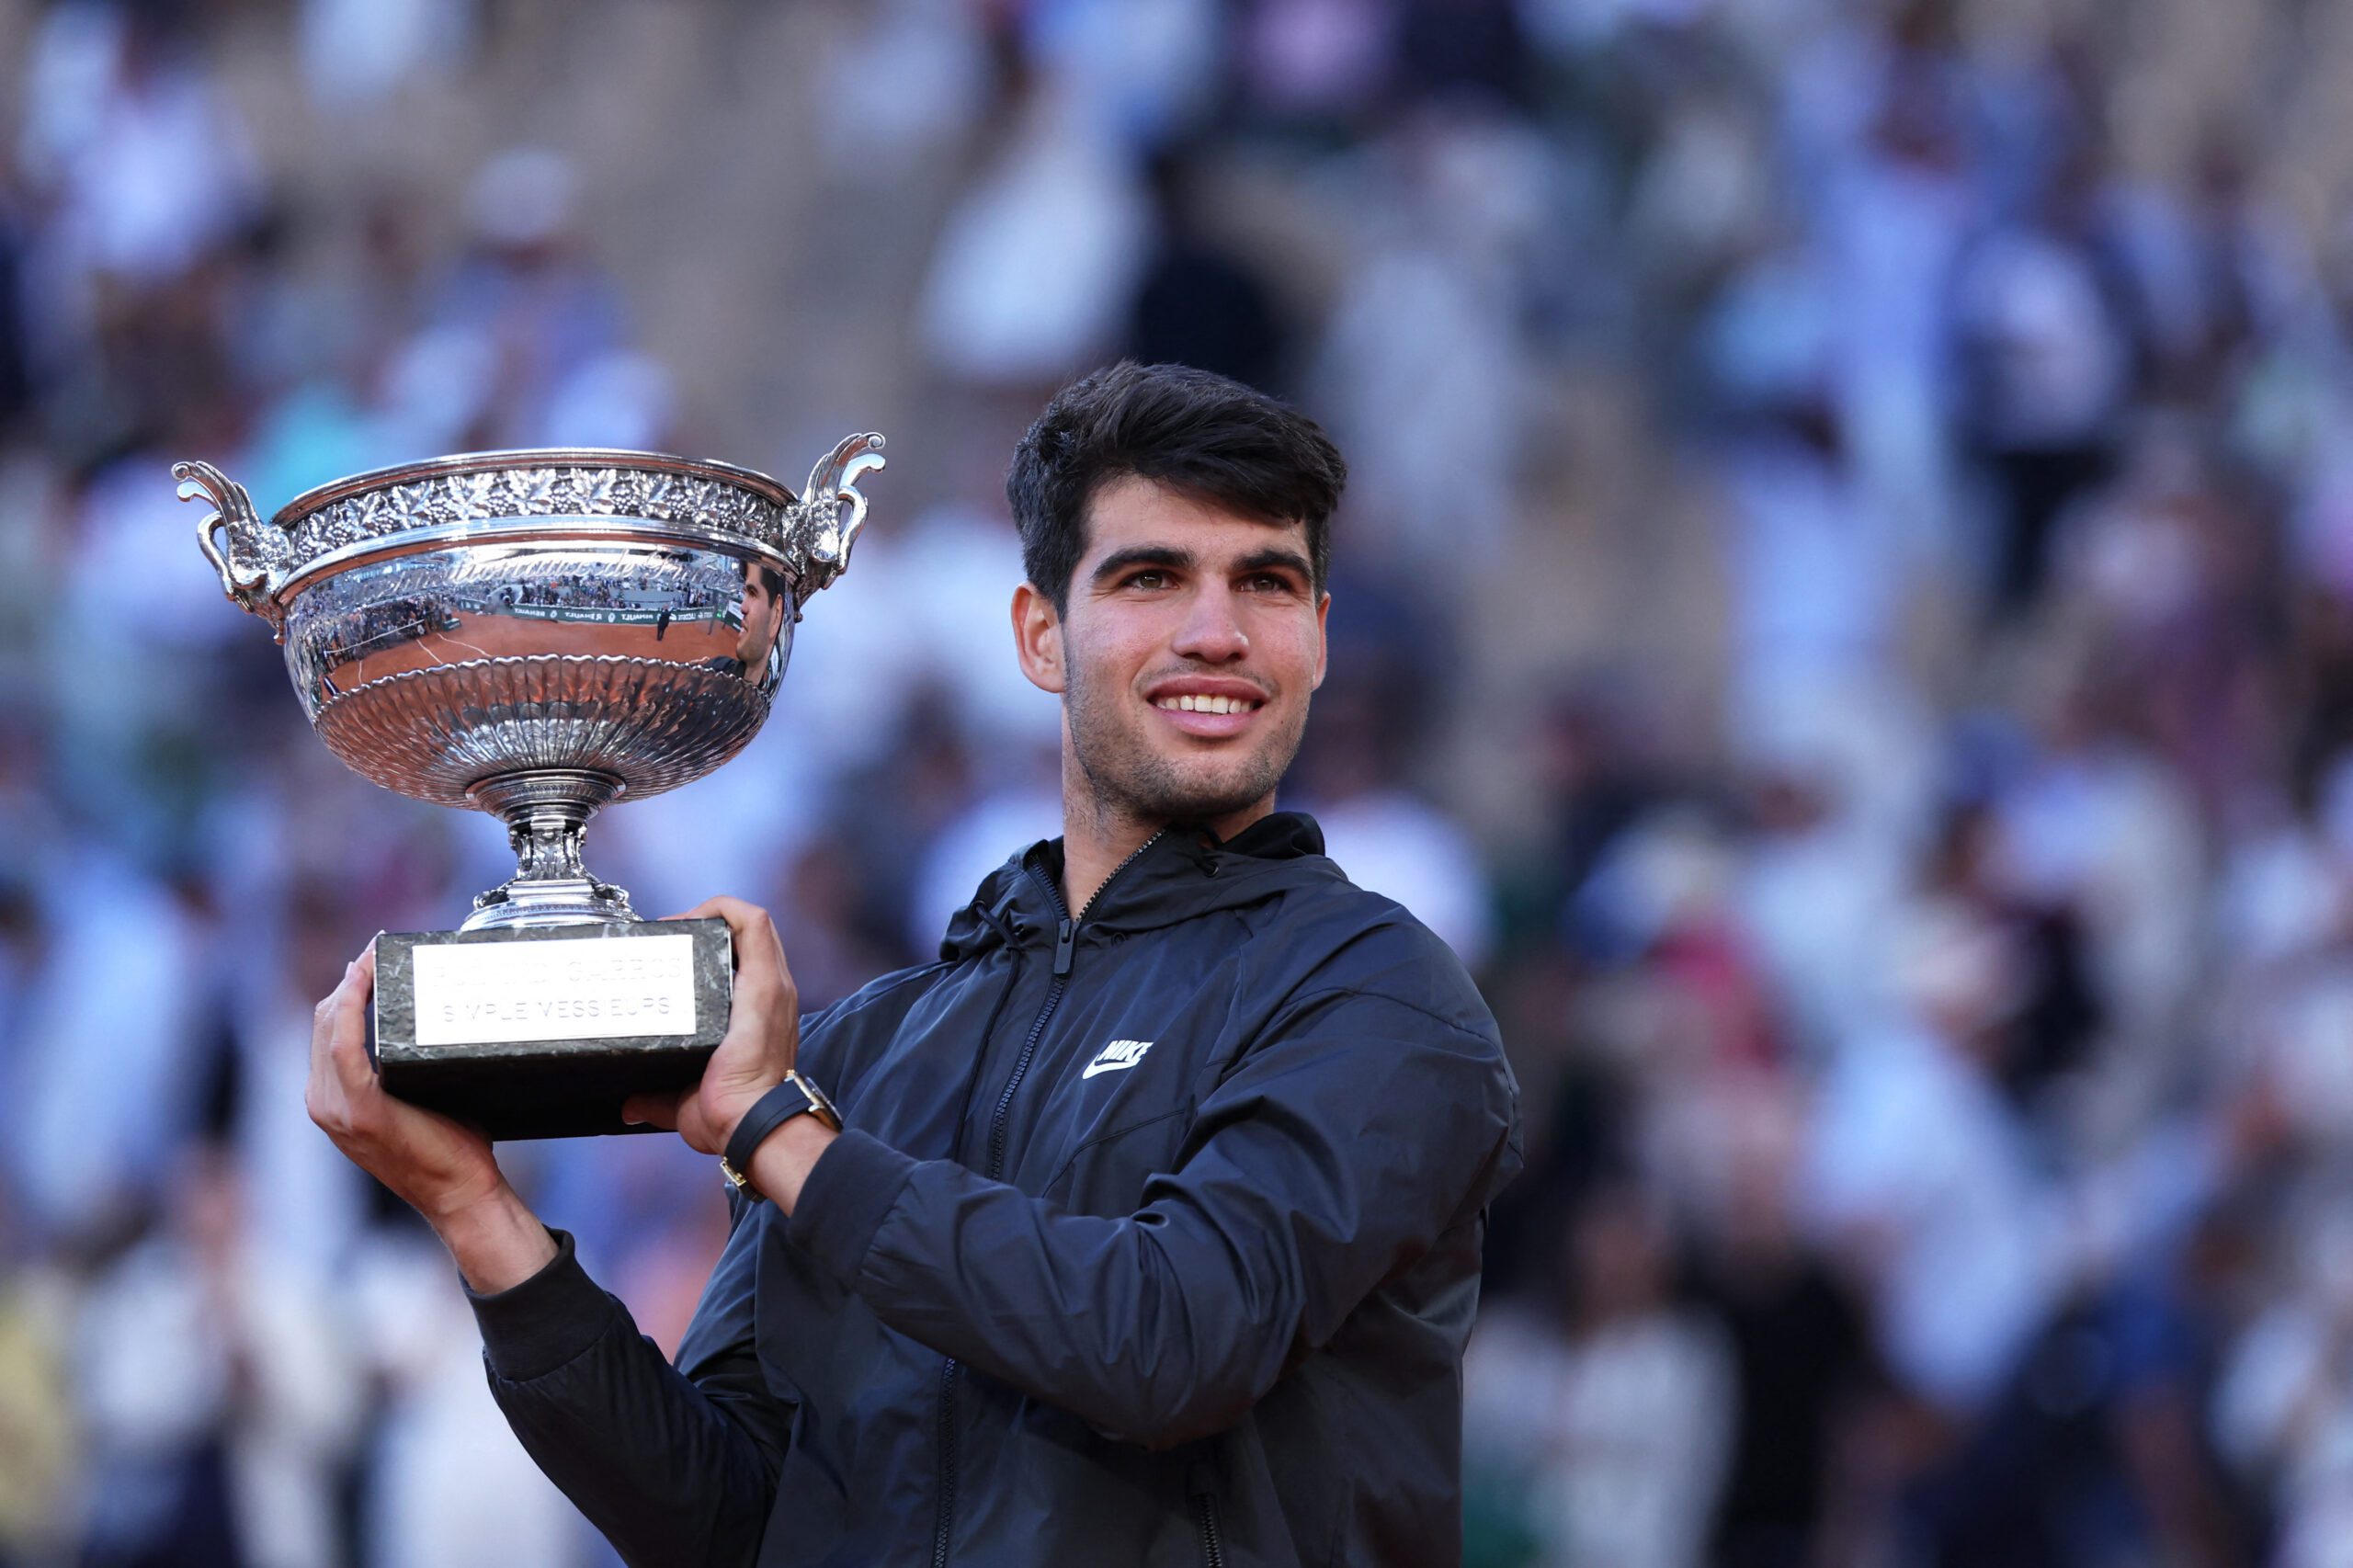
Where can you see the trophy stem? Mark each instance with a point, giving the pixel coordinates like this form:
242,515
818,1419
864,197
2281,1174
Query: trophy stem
547,811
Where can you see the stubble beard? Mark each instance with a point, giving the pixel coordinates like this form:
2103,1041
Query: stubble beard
1127,778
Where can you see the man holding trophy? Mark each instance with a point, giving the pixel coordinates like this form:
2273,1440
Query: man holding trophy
1143,1226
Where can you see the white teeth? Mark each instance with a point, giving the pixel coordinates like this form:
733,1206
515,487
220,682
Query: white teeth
1188,703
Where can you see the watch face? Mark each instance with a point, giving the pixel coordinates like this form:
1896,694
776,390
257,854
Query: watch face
818,1102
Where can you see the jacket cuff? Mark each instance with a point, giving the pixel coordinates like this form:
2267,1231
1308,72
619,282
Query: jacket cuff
849,1191
528,1330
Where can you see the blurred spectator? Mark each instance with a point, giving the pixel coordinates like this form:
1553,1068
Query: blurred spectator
365,49
1421,364
1617,1409
445,1483
1199,303
1921,1177
2282,1412
143,167
909,83
2048,371
527,292
1383,834
310,1204
1805,1370
126,994
217,1392
1040,255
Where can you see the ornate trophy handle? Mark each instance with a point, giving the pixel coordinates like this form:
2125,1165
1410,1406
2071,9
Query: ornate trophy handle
257,557
817,527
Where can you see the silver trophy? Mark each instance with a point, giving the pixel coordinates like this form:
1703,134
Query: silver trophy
537,635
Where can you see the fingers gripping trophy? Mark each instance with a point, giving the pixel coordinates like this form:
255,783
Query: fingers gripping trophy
537,634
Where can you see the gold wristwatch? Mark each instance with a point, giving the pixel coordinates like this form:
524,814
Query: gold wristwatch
790,1098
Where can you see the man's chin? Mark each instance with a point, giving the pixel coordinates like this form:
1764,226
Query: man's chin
1145,778
1207,799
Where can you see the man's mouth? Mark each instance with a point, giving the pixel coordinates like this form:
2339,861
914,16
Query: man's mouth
1188,702
1207,708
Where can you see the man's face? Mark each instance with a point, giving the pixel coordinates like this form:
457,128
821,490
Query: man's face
1190,644
760,607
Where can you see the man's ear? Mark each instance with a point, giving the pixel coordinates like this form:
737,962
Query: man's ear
1322,649
1037,639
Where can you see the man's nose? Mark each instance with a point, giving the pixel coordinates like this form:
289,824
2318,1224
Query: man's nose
1212,630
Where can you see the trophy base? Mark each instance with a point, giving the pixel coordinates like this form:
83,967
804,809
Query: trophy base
543,1031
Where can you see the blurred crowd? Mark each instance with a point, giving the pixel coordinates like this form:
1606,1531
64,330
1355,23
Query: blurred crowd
1844,618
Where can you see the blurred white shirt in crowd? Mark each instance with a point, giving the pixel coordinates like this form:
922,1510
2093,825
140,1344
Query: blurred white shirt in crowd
1393,844
360,49
117,1003
149,166
170,1352
1626,1431
1919,1170
451,1488
2280,1413
1038,258
968,848
2112,835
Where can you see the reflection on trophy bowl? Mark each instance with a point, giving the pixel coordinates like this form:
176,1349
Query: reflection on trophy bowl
440,732
551,675
538,633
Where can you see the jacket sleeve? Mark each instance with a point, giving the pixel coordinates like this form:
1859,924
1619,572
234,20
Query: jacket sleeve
674,1464
1332,1155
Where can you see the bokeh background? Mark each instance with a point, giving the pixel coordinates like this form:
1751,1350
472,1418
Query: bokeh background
1844,620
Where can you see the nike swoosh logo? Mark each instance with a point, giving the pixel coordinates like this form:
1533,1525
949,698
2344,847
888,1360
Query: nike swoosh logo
1094,1067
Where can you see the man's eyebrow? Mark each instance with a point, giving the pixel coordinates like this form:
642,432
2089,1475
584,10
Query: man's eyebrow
1259,561
1136,555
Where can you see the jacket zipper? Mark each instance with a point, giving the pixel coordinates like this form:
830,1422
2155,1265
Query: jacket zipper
1065,946
1213,1544
947,1510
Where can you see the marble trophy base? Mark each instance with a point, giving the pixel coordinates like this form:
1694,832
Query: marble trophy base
543,1031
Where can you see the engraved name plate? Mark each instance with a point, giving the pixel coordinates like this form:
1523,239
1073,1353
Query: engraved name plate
582,989
465,1021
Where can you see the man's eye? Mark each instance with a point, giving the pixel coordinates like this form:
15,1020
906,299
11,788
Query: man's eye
1148,580
1270,582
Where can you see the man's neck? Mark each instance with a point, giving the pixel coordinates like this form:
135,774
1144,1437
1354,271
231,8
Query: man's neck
1097,839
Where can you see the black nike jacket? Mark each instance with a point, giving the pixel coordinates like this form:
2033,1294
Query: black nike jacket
1153,1239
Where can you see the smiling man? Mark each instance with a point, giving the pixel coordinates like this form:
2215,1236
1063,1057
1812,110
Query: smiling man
1143,1226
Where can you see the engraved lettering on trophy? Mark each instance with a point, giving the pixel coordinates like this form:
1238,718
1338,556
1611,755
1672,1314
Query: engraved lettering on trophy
477,992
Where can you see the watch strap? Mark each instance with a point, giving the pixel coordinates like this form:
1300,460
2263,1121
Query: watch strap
790,1098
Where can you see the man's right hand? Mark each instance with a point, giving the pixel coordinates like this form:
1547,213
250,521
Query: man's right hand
443,1169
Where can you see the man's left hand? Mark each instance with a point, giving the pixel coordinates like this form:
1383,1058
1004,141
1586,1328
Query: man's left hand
762,1039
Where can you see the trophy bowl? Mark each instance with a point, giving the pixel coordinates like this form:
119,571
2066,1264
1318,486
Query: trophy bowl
537,635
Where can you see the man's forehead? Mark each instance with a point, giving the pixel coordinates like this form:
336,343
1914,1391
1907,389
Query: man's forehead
1131,512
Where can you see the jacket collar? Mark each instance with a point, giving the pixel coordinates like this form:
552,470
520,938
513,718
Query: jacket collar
1186,871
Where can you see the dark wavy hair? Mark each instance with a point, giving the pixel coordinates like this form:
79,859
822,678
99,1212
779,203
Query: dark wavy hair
1216,440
